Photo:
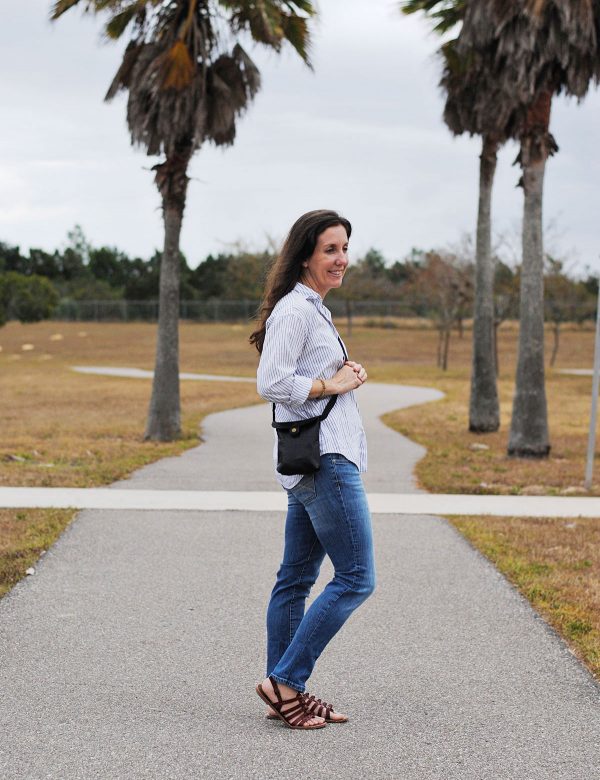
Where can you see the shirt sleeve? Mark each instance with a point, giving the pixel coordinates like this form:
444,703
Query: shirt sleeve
277,377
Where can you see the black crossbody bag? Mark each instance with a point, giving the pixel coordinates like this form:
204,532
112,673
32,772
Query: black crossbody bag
298,449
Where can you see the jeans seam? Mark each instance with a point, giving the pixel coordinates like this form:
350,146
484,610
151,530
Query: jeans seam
352,537
314,492
325,611
293,599
354,553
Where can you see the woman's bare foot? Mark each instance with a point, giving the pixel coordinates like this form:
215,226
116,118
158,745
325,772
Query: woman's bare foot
314,705
286,693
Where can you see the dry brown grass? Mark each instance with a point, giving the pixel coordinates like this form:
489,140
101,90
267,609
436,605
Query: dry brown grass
450,465
25,534
62,428
90,428
555,563
78,430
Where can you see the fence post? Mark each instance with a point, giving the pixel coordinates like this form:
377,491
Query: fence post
589,468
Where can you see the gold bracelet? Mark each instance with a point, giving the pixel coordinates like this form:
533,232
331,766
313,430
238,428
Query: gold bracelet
322,393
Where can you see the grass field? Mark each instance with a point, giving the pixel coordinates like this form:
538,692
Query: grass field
64,428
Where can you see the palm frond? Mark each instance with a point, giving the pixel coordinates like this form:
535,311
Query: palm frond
304,6
122,79
183,86
233,80
176,66
117,24
295,31
445,14
61,6
552,44
262,18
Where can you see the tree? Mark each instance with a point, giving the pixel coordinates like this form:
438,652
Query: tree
530,50
538,49
442,286
247,272
26,298
210,276
11,259
566,300
473,106
44,264
365,279
110,265
188,80
506,299
143,279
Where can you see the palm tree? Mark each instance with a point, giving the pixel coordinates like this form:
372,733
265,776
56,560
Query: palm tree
531,50
540,48
475,105
470,102
188,80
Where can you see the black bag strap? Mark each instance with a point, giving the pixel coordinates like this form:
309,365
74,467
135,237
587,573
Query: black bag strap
343,349
307,420
328,407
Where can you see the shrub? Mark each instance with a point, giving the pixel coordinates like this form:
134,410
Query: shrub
26,298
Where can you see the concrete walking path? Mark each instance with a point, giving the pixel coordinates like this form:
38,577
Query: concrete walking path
265,501
134,649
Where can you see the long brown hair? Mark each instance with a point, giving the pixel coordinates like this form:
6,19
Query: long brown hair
287,268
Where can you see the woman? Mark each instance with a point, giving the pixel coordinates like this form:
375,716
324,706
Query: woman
303,362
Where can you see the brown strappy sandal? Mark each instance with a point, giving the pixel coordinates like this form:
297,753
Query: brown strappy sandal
295,717
318,708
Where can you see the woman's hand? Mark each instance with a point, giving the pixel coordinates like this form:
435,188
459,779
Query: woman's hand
357,367
348,378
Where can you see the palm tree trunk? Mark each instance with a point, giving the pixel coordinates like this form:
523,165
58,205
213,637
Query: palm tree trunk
496,363
556,331
529,424
164,416
484,410
446,346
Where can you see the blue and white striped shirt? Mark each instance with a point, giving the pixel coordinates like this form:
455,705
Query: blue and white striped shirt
301,344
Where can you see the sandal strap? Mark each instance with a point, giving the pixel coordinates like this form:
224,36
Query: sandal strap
299,719
320,708
296,715
276,690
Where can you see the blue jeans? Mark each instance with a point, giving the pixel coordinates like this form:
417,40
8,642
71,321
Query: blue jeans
327,514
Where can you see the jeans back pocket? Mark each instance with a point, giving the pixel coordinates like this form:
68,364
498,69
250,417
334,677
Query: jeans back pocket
305,490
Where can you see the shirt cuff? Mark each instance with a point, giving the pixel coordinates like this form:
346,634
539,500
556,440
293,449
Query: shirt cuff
300,390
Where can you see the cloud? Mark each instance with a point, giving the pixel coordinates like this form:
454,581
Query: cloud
362,133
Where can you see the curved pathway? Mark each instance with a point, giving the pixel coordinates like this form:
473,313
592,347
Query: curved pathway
243,439
134,649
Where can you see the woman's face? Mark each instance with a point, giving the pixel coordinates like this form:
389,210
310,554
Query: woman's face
325,268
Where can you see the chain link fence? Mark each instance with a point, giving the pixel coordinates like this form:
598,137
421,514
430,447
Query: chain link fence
378,312
210,311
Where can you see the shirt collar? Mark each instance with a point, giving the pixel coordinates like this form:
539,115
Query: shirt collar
313,295
308,292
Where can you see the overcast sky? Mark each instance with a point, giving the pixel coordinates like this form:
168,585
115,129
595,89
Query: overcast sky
363,134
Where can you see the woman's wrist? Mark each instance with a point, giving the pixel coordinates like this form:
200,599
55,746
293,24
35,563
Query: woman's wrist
322,388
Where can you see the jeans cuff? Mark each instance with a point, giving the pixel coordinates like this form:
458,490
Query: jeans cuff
296,686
